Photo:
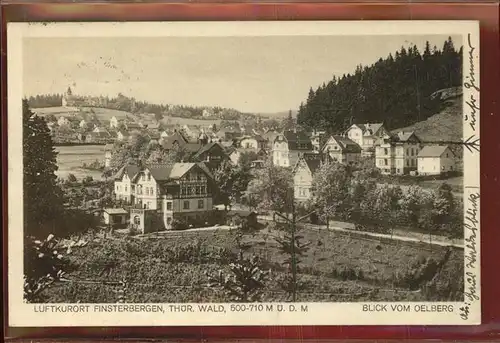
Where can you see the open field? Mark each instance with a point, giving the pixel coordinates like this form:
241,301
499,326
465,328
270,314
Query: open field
103,114
189,121
337,267
71,158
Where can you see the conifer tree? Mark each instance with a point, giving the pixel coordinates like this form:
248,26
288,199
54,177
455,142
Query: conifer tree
41,195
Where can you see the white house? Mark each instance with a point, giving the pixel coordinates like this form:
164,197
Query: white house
115,216
397,153
342,149
288,146
366,136
435,160
113,123
303,173
82,124
63,121
123,189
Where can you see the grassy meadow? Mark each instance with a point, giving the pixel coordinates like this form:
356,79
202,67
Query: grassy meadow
337,267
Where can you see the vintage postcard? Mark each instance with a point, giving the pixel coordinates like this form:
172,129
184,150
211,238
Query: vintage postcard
243,173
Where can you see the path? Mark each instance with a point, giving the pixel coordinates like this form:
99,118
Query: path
435,241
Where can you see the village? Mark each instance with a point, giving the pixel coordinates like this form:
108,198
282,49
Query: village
182,194
352,191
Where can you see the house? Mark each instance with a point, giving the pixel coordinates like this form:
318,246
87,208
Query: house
207,113
83,124
317,140
342,149
287,147
63,121
115,217
303,173
234,154
122,135
163,194
366,136
253,142
177,139
435,160
108,155
99,129
397,153
98,137
153,126
213,154
132,126
243,219
113,123
123,183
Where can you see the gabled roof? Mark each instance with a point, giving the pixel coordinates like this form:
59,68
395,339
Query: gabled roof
296,139
404,136
178,137
434,151
207,147
162,172
371,128
313,161
130,169
346,145
108,147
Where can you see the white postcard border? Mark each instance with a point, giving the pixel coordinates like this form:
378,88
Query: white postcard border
465,313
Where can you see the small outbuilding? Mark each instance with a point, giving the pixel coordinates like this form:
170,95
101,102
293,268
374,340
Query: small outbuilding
244,219
436,160
115,216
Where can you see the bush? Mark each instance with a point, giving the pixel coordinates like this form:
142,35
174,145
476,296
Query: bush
179,224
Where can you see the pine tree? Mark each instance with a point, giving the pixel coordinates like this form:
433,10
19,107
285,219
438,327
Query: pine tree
41,194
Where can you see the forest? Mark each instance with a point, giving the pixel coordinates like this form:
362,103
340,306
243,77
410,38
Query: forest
396,90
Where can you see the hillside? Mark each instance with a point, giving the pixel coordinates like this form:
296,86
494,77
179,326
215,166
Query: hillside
446,125
277,115
103,114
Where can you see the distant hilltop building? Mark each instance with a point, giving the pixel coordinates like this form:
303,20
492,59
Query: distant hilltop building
71,101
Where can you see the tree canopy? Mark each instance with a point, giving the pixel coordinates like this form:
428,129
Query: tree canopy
42,196
395,90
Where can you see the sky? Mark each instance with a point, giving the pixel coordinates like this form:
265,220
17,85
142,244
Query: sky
250,74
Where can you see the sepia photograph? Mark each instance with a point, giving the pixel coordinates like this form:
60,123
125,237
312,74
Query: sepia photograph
241,170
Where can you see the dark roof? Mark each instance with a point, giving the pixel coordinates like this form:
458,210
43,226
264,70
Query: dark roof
313,161
130,169
433,151
404,136
297,140
168,143
346,145
371,127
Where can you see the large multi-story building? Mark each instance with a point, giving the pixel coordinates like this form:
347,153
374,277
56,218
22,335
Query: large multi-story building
397,153
160,194
288,146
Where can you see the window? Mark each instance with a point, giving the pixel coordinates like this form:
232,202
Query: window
126,188
137,220
186,205
407,163
407,151
169,220
447,155
386,162
451,167
386,151
152,192
200,204
143,178
147,190
169,206
149,177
